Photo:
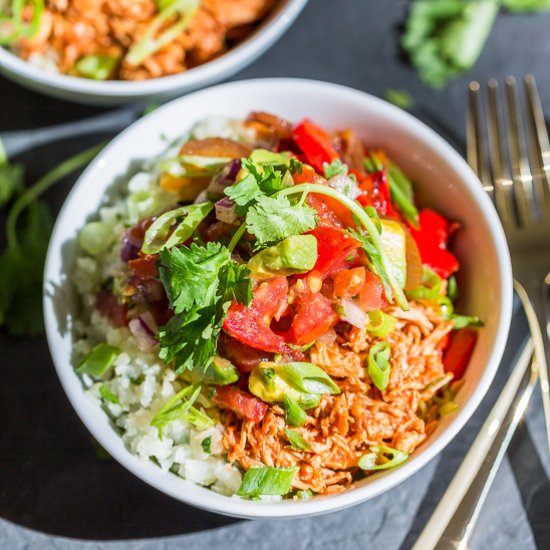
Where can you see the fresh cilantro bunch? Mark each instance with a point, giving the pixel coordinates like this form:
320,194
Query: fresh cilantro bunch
28,227
201,282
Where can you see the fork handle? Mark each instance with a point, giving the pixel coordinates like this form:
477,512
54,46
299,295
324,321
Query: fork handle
452,522
532,295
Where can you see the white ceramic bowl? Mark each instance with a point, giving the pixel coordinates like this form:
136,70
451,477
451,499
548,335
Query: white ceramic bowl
443,180
82,90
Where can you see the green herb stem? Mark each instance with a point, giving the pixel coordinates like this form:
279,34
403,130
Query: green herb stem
363,218
43,184
236,237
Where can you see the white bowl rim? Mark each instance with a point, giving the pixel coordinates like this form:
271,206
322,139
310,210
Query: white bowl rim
226,64
319,505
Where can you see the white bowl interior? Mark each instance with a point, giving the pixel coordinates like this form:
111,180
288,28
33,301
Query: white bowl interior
112,92
442,178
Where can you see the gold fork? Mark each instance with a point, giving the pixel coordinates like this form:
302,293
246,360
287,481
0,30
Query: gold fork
516,174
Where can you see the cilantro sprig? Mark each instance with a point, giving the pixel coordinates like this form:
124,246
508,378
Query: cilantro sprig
201,282
28,228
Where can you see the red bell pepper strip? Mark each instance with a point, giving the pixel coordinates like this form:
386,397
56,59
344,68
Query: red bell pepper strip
432,238
315,143
459,351
240,402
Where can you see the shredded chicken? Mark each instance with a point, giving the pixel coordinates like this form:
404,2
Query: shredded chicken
343,427
72,29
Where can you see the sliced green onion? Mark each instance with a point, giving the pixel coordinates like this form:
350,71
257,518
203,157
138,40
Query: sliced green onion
15,27
401,194
296,440
447,408
377,459
379,364
107,395
429,287
463,321
310,378
452,288
176,407
380,323
295,415
259,481
96,67
206,444
157,235
154,39
98,361
306,494
95,238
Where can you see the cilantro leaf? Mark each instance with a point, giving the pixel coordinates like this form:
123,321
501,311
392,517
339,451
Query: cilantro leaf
21,274
445,37
189,339
201,283
273,219
244,193
335,168
190,275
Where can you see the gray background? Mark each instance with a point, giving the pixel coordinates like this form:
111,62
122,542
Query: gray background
54,492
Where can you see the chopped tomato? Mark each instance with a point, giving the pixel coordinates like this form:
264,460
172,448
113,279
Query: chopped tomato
459,351
314,316
335,248
144,268
325,215
240,402
315,143
348,282
371,296
307,175
108,305
245,358
432,238
251,325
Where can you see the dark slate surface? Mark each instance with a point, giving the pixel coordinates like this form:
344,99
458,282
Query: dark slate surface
52,486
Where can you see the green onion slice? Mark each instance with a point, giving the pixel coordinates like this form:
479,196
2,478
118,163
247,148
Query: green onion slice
379,364
157,235
378,458
96,67
429,287
296,440
155,38
98,361
310,378
380,324
107,395
14,27
260,481
295,415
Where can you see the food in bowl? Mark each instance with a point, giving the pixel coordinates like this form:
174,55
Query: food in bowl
126,39
267,313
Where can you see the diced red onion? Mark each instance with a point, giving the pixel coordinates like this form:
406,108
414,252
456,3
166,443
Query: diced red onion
328,338
225,211
224,177
129,247
353,314
143,329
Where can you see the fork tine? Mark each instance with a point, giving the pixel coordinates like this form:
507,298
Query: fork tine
501,175
538,142
521,173
474,139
